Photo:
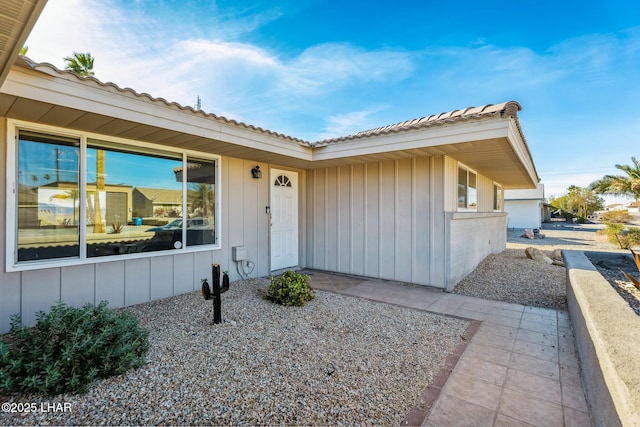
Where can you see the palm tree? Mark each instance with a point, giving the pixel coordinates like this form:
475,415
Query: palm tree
80,63
73,194
200,197
620,185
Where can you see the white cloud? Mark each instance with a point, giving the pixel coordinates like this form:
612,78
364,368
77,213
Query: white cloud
347,124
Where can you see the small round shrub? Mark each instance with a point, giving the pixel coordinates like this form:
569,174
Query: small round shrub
70,347
290,289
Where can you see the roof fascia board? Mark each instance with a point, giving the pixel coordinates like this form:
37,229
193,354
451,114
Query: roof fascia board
429,137
522,151
25,30
54,90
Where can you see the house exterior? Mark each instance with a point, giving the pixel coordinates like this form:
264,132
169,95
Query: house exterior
632,207
418,201
156,202
525,208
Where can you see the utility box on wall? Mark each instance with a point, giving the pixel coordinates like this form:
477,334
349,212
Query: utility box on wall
239,253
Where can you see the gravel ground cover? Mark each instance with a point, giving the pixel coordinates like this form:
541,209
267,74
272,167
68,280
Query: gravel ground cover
337,360
510,276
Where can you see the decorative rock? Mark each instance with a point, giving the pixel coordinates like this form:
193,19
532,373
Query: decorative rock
529,234
537,255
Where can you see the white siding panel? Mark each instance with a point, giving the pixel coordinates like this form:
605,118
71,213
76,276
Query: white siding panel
202,262
382,217
439,180
357,220
137,279
40,290
9,298
110,283
78,285
183,277
161,277
331,218
344,220
404,220
372,220
319,236
388,201
421,219
235,204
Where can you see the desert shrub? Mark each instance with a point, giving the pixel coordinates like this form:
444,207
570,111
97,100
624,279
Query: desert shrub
625,238
615,217
629,238
290,289
70,347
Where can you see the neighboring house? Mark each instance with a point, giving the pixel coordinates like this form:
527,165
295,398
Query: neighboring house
156,202
525,208
614,207
417,202
632,207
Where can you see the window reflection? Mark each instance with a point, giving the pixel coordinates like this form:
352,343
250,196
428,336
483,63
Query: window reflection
131,200
48,197
201,179
130,197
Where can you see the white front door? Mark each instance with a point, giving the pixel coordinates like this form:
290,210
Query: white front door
284,219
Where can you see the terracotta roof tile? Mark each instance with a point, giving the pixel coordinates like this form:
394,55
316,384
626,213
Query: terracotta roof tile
505,109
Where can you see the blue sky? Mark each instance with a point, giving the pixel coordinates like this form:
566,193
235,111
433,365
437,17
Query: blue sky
320,69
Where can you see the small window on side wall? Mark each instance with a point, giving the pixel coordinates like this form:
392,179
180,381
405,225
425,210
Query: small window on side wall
497,197
467,189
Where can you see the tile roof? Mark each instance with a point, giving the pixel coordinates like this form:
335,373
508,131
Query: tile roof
43,66
505,109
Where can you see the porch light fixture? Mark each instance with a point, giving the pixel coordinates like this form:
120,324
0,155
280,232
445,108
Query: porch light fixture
256,173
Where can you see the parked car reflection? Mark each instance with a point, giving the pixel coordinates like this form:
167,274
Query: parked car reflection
199,232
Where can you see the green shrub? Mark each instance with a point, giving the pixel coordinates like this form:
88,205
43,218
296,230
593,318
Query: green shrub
290,289
618,235
70,347
615,217
629,238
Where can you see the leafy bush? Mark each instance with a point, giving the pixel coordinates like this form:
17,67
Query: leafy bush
69,348
619,217
290,289
624,238
629,238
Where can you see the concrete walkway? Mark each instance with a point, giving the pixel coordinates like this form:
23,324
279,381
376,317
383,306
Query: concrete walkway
519,368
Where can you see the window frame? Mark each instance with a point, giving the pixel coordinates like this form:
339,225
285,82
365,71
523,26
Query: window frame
468,171
11,210
498,197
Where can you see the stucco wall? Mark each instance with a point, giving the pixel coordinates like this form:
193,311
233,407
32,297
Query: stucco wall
127,281
470,238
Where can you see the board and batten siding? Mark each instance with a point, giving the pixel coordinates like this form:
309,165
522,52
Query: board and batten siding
373,219
126,281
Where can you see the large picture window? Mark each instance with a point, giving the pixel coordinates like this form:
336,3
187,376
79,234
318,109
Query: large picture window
467,189
123,199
